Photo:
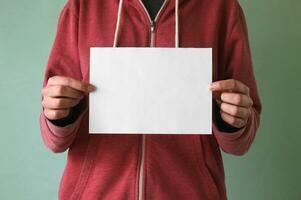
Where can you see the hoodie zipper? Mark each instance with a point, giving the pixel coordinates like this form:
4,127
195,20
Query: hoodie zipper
152,35
152,22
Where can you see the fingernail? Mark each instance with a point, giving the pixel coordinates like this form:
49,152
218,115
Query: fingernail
212,86
91,88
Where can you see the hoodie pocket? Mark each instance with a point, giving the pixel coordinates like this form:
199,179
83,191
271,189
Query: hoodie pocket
207,174
87,167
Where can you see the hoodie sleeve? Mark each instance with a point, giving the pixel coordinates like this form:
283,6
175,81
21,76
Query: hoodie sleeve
239,67
63,61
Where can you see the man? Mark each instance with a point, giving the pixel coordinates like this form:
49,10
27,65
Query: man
155,166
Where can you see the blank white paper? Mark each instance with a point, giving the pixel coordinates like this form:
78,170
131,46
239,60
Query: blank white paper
151,91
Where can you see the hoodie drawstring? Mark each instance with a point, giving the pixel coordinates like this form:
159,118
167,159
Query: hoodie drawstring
177,23
116,35
118,23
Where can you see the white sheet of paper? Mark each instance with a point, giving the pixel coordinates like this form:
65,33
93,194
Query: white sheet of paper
151,90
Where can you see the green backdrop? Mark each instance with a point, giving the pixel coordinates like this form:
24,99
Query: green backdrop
271,169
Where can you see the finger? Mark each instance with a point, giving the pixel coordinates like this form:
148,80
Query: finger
70,82
230,85
61,91
237,99
56,114
235,111
233,121
59,103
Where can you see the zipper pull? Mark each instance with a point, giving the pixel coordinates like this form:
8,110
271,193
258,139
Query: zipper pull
152,33
152,26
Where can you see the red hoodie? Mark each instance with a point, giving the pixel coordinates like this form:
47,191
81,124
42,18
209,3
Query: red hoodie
159,167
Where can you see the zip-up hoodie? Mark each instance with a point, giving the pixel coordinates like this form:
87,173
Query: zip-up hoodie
136,166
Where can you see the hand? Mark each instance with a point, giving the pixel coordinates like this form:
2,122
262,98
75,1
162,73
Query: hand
234,100
61,94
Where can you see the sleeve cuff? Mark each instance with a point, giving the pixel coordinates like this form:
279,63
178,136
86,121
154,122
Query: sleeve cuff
228,134
236,134
66,130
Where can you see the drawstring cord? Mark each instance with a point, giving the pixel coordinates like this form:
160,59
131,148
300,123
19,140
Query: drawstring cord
118,23
176,23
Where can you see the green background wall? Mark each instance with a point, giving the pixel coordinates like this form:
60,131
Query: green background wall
271,169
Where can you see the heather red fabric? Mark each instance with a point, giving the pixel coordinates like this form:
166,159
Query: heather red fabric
176,166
